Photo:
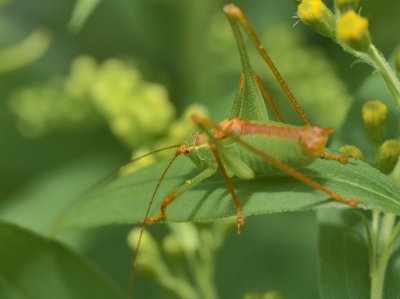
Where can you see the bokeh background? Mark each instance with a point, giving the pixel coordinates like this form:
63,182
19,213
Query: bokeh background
69,71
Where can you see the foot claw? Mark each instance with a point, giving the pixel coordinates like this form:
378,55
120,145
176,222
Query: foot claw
353,203
239,222
341,158
148,220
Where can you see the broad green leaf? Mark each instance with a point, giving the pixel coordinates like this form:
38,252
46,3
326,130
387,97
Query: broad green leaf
343,257
126,199
35,267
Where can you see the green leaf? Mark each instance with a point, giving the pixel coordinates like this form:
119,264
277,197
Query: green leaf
82,11
126,199
35,267
343,257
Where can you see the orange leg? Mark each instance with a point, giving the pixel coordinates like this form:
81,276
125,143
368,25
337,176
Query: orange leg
239,220
182,189
351,202
341,158
234,12
268,97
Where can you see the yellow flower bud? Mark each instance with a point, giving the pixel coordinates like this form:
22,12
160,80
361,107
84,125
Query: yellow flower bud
388,156
315,14
353,30
374,116
352,150
345,5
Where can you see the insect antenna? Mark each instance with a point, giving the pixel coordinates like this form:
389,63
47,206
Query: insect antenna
101,181
144,222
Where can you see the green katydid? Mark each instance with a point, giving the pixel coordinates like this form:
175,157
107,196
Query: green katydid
251,143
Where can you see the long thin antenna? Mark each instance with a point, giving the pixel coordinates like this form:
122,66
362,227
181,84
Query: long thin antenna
102,180
144,223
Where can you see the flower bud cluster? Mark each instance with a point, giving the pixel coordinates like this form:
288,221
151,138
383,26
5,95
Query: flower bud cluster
137,112
186,244
387,154
348,28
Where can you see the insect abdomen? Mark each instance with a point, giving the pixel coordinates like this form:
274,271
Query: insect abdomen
294,146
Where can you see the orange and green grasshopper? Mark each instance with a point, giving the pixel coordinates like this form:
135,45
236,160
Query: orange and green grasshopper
251,143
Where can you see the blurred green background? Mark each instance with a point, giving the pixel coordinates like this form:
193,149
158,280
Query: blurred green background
49,158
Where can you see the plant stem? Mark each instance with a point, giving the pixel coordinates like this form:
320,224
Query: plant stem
386,72
385,251
375,227
373,57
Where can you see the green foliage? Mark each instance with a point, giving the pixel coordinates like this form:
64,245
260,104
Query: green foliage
189,50
211,199
36,267
342,255
136,111
348,255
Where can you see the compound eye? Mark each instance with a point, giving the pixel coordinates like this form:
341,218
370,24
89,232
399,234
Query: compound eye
186,152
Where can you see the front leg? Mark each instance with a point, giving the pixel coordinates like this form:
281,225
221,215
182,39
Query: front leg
210,170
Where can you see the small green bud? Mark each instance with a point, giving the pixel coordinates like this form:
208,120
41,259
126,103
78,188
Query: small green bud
352,150
345,5
315,14
388,156
353,30
149,260
374,116
171,245
187,235
272,295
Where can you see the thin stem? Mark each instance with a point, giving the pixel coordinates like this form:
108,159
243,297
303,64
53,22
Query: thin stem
374,58
386,250
395,234
386,72
375,227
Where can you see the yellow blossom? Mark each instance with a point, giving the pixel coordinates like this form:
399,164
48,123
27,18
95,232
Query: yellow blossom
353,29
315,14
